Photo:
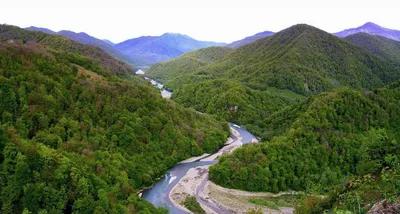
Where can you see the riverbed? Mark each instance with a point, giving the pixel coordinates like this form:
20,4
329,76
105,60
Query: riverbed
158,195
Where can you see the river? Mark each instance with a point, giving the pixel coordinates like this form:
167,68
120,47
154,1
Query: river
158,195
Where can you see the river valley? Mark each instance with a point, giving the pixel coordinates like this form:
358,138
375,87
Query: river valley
190,177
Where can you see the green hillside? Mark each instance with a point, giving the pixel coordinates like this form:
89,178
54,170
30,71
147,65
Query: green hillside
302,59
74,49
76,139
381,46
232,101
170,72
281,69
321,142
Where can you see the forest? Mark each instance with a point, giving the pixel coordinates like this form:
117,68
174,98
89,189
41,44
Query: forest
79,133
76,138
329,139
248,84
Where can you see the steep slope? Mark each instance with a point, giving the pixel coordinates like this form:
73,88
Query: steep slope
187,63
250,39
384,47
305,60
74,49
327,139
90,40
372,29
73,140
160,48
298,61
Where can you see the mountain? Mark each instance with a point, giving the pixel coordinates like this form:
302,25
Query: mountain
250,39
335,143
108,42
75,50
381,46
90,40
44,30
186,63
302,59
372,29
160,48
77,139
257,79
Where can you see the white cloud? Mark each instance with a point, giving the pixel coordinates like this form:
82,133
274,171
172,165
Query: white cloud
214,20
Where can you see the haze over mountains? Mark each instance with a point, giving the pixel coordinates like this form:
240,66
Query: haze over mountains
373,29
90,40
140,51
160,48
250,39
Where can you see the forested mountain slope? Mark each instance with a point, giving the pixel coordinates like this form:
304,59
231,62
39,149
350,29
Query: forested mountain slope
305,60
60,43
76,139
321,142
174,69
84,38
280,69
381,46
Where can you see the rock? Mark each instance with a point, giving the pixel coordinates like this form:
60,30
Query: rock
385,207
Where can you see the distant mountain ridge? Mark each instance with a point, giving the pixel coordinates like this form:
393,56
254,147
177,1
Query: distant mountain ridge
61,43
372,29
250,39
160,48
90,40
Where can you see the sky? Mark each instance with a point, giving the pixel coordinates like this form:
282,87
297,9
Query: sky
207,20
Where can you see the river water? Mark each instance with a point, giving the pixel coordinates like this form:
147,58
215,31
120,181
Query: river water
158,194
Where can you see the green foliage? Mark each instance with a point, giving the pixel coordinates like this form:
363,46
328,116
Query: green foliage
271,73
74,49
172,70
77,139
381,46
358,195
318,144
233,102
193,205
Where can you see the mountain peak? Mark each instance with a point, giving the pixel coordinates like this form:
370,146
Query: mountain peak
250,39
372,29
297,30
160,48
370,25
300,28
41,29
170,34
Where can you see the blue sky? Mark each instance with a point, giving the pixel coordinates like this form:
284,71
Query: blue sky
211,20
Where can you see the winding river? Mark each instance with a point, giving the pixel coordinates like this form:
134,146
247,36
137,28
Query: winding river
158,195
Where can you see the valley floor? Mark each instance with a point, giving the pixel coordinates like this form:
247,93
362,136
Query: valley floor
216,199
